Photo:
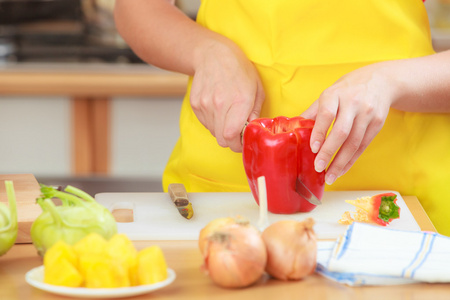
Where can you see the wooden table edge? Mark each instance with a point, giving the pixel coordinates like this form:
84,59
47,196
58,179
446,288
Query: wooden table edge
419,213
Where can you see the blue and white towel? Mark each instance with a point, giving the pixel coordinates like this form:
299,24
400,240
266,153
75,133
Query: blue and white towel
373,255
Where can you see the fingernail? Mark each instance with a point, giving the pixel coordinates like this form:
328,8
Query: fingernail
315,147
329,179
320,166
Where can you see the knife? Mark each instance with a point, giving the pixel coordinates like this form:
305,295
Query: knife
303,191
180,198
242,133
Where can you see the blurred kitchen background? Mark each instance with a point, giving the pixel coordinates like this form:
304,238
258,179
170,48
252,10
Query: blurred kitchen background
78,107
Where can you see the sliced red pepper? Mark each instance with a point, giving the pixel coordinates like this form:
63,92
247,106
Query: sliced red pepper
279,149
380,209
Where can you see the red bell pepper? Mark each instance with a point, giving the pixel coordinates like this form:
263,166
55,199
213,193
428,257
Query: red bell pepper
279,149
380,209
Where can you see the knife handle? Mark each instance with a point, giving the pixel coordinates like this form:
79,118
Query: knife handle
178,194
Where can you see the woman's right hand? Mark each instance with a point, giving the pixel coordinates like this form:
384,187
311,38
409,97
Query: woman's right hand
226,91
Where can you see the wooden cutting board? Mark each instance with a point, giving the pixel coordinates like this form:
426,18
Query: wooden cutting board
27,190
155,217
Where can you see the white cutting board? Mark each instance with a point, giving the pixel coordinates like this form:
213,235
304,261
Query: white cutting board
156,217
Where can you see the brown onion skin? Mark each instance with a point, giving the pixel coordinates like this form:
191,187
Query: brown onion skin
291,249
210,228
235,256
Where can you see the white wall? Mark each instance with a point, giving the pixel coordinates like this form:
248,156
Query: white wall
144,132
35,135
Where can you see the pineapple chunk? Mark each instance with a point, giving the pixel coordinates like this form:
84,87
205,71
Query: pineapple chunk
94,262
152,267
60,265
93,243
63,273
60,250
124,255
97,271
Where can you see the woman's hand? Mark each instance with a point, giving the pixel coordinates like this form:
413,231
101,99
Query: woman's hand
226,91
358,103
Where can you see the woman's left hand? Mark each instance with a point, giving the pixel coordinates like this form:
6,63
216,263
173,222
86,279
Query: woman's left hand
358,103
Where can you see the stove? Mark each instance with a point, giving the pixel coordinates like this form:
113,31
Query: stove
79,31
66,48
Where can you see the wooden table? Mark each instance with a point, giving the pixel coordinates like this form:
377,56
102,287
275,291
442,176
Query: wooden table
185,259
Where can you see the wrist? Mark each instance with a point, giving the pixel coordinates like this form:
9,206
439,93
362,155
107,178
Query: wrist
396,87
212,47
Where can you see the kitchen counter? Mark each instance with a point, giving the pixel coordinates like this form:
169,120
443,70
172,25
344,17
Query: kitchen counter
185,259
89,80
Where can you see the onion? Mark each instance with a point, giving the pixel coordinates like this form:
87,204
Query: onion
210,228
291,249
234,255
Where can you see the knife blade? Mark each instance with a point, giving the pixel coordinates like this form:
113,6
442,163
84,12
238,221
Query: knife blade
179,196
242,133
303,191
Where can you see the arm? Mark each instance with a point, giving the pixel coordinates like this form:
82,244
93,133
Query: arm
423,83
226,90
359,103
160,34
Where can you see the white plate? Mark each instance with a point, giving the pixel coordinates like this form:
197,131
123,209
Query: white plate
35,277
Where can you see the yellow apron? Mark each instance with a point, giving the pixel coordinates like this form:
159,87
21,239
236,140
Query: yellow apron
301,47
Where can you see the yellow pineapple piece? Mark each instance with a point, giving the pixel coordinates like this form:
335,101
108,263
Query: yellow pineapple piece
106,263
91,246
124,257
62,273
60,266
94,262
152,265
97,271
59,250
93,243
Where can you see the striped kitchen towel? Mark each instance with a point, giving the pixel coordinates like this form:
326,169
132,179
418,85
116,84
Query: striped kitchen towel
373,255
